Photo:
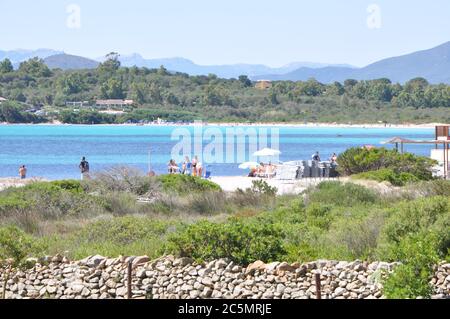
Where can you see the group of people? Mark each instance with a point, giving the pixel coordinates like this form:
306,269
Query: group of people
188,167
263,170
84,168
193,167
333,159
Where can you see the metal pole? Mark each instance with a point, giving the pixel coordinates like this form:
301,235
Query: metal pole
149,165
318,293
446,160
129,279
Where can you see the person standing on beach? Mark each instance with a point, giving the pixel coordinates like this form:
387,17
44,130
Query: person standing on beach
22,172
84,168
316,157
194,165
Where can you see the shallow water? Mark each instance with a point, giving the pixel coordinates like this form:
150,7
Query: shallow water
54,151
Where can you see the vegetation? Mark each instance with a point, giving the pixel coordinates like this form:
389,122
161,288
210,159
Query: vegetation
242,242
183,184
180,97
412,279
381,164
15,244
13,112
341,221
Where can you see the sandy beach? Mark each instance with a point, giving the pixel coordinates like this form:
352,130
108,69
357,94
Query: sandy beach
232,183
256,124
6,182
227,183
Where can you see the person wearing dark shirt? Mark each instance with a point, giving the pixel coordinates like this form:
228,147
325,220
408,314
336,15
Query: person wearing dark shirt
84,168
316,157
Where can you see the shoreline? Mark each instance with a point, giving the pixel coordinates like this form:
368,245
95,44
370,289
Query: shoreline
256,124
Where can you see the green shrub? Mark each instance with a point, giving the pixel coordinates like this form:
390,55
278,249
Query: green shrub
207,203
186,184
340,194
386,174
242,242
69,185
418,255
319,215
120,203
112,237
405,167
48,200
419,215
355,237
438,187
16,244
262,187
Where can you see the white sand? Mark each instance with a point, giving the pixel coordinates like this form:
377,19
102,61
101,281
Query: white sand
16,182
232,183
330,125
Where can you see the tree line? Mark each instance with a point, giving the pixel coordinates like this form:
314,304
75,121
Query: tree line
179,95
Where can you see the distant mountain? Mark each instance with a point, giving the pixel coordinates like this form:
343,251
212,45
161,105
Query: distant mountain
325,75
17,56
432,64
224,71
67,62
20,55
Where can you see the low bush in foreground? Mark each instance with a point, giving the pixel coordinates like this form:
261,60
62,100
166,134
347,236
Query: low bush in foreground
127,235
411,279
242,242
47,201
16,244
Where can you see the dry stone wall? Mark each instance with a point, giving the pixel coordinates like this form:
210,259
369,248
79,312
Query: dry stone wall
97,277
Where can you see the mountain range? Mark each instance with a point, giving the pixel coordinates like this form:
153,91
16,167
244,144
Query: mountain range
224,71
432,64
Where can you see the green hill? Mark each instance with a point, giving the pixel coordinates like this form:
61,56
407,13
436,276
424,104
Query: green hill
69,62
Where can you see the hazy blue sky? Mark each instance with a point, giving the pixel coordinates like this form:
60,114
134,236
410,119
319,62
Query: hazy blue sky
272,32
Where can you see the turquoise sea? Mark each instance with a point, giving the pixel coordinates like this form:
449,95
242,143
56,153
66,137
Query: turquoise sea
54,151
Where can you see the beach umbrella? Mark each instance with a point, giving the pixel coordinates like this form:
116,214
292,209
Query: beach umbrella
267,152
396,141
248,165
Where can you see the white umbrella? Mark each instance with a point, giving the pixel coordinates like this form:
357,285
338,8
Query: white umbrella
267,152
247,165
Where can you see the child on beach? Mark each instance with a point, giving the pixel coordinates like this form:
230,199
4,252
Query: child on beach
186,166
172,167
194,165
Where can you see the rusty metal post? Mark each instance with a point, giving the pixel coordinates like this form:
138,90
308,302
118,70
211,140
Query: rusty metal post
130,269
318,292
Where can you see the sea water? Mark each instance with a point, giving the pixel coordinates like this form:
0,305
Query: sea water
54,151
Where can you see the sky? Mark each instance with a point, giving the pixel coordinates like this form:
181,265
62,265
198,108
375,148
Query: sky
208,32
